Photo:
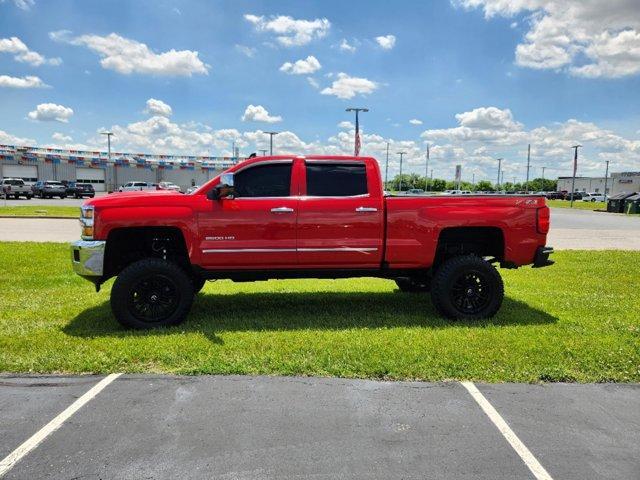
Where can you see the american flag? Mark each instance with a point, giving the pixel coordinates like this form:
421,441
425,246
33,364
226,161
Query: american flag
357,142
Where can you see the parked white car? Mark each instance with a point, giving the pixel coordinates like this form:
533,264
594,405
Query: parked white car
169,186
593,197
137,186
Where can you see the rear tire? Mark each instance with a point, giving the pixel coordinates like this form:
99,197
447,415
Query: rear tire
151,293
467,288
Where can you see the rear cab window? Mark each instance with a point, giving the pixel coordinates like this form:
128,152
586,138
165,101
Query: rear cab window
335,179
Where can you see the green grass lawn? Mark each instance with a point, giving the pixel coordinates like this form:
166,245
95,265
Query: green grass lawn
41,211
579,204
578,320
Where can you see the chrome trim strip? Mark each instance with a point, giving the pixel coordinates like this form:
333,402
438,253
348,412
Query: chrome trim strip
366,209
270,250
247,250
339,249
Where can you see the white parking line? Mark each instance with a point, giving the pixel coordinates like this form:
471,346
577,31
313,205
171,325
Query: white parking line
14,457
521,449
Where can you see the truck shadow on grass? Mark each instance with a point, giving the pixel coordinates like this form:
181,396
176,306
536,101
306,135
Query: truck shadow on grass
213,314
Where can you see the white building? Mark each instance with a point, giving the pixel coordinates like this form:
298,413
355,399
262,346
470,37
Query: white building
617,183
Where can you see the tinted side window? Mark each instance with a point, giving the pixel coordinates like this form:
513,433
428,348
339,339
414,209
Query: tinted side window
336,179
271,180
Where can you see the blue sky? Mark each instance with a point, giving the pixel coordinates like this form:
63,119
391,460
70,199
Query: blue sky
483,77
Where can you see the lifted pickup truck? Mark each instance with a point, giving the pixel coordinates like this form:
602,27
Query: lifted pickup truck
305,217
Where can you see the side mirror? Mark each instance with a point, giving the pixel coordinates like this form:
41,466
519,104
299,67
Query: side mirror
224,189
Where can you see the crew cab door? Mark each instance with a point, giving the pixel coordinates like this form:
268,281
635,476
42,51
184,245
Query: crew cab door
340,218
256,229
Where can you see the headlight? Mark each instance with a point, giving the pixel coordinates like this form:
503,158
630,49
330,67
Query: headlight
86,222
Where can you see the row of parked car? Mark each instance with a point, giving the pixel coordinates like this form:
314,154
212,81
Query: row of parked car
16,188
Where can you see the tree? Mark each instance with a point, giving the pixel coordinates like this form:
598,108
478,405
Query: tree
484,186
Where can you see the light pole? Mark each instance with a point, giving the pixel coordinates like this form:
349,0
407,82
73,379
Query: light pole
575,169
526,185
401,154
115,168
499,168
271,135
426,171
386,168
606,181
356,143
543,169
264,152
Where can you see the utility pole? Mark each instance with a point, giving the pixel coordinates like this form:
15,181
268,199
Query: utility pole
401,154
606,181
115,171
426,171
356,143
271,135
526,185
386,169
499,168
575,169
264,152
543,169
473,181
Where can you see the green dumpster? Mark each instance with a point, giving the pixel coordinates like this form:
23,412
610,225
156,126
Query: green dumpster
632,204
615,203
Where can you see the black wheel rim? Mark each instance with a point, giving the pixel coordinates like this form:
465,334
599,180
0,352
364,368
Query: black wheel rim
471,292
154,298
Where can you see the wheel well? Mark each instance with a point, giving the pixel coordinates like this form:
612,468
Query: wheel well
481,241
128,245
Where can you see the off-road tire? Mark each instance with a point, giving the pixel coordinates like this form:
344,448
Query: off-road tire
477,279
128,294
413,285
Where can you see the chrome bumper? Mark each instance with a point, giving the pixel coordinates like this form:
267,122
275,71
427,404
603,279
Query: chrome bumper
87,257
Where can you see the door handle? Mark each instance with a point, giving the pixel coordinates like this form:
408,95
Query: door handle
282,210
366,209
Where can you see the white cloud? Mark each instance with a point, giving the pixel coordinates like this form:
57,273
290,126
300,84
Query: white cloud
302,67
8,139
128,56
595,38
346,125
22,4
313,82
346,46
346,87
289,31
387,41
61,137
48,112
29,81
257,113
246,51
415,121
158,107
22,53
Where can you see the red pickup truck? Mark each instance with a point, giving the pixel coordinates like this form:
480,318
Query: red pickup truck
305,217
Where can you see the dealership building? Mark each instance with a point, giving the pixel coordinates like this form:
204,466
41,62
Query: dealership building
108,172
616,183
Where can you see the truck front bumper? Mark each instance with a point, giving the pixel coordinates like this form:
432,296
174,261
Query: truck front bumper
87,258
542,257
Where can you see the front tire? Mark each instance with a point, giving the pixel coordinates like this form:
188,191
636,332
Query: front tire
151,293
467,288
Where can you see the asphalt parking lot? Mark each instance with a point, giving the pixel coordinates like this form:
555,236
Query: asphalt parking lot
308,428
62,202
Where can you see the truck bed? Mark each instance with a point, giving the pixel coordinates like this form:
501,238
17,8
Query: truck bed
416,223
